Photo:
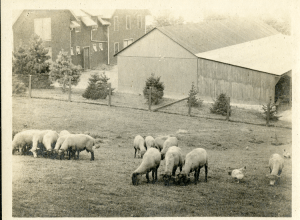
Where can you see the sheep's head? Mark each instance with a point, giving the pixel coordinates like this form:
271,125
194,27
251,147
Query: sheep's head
135,178
162,156
142,153
182,177
167,177
273,179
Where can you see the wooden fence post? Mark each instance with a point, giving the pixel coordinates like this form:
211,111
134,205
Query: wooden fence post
29,87
150,91
268,112
69,88
228,108
190,106
109,94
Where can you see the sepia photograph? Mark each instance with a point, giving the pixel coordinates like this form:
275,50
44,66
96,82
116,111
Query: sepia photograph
153,109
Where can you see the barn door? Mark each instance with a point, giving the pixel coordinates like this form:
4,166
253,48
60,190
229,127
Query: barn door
86,58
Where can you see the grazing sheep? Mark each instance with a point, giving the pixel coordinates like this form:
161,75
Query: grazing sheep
275,166
151,162
23,140
139,146
64,132
237,173
49,139
37,138
60,141
194,161
171,141
174,159
149,142
159,142
78,142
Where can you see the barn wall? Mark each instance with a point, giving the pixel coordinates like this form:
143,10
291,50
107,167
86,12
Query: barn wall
177,74
242,85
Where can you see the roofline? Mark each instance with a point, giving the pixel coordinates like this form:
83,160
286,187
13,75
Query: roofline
243,66
77,19
15,20
160,32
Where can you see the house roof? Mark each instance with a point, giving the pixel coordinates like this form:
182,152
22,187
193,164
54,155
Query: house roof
272,54
88,21
103,13
211,35
102,21
74,24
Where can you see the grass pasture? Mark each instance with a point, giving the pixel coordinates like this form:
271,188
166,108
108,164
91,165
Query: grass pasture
43,187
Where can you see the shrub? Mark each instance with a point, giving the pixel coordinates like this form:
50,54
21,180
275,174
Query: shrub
18,87
195,101
220,105
273,112
97,88
157,89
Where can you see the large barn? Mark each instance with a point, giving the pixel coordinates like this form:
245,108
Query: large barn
244,59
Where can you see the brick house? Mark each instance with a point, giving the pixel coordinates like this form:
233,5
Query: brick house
92,37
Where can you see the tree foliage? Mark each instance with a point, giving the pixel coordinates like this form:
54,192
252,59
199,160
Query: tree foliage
157,87
97,88
63,69
195,101
220,105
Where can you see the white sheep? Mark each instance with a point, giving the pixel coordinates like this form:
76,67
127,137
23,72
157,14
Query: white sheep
173,160
194,161
78,142
62,137
286,154
37,138
64,132
171,141
159,142
139,145
23,140
151,162
49,139
275,165
149,142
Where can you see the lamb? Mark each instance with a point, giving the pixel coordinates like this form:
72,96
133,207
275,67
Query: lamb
194,161
171,141
237,173
151,162
159,142
78,142
149,142
23,140
174,159
139,145
275,166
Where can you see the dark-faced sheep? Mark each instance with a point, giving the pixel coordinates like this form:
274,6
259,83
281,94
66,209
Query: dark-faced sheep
151,162
275,165
171,141
159,142
194,161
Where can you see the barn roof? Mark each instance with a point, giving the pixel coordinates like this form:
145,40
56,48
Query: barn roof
211,35
272,54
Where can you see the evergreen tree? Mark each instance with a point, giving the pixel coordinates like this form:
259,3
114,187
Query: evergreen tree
195,101
63,68
157,89
220,105
23,62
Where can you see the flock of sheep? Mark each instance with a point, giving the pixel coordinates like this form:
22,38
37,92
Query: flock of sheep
50,142
166,147
152,151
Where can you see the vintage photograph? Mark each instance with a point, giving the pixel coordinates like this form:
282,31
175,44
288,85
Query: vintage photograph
151,109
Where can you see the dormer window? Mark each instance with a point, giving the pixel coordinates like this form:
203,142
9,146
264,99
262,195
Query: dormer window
128,22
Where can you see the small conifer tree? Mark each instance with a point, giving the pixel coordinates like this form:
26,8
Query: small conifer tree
157,89
220,105
63,68
273,112
195,101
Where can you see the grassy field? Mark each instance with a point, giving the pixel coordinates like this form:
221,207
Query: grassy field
44,187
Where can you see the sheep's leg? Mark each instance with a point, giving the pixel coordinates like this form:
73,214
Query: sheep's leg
198,174
153,175
147,176
92,155
134,152
174,170
156,172
195,175
206,171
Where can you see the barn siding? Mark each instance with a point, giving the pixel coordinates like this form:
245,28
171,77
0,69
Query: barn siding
176,74
242,85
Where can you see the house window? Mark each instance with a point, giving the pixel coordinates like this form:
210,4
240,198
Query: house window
72,53
127,42
42,27
116,47
95,47
116,24
78,29
100,46
128,22
77,50
139,20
